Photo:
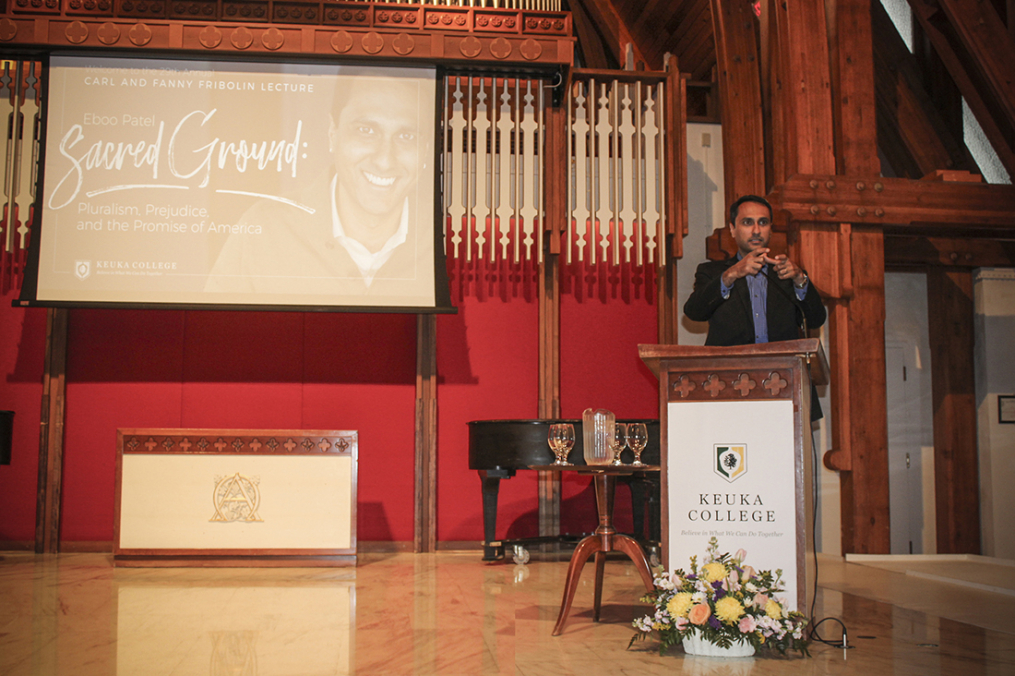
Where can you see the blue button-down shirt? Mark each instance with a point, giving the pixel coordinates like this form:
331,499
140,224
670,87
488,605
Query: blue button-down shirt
757,288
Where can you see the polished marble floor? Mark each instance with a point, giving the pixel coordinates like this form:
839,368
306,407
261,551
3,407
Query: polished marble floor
446,613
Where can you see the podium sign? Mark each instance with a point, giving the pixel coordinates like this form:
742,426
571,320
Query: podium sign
736,454
731,476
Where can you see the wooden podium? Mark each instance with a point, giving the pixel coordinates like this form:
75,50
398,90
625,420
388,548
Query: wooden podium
736,456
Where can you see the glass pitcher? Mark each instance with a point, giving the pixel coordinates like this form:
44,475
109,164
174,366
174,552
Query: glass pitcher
597,436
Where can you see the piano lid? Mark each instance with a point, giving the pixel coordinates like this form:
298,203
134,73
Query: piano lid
519,444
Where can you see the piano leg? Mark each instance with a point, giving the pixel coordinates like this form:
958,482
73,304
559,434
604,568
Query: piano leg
638,507
492,549
645,508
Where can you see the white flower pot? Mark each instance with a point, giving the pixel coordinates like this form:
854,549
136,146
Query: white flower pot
696,645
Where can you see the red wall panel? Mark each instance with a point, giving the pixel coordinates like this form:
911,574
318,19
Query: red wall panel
333,370
605,313
487,365
241,370
22,356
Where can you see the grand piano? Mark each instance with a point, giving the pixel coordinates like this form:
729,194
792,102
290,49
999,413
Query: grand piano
499,448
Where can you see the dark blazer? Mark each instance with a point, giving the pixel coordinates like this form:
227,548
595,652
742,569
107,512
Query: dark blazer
730,321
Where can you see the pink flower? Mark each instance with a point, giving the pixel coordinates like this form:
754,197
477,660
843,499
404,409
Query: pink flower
760,600
740,555
747,624
681,623
747,574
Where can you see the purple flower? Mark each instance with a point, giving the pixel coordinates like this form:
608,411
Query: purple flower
719,591
714,622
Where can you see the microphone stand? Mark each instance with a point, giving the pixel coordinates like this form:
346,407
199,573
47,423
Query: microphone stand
797,303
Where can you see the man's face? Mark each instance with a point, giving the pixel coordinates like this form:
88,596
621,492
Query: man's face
753,227
375,145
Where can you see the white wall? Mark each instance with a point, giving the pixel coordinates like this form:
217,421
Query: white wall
994,292
705,212
910,414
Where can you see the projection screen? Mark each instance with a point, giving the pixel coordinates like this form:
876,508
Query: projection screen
235,183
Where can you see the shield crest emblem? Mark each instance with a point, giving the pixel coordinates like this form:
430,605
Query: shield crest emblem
730,461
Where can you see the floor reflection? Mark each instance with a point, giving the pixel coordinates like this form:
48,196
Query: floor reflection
233,631
447,614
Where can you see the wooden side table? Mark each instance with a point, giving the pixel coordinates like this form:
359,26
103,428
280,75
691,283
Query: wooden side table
604,539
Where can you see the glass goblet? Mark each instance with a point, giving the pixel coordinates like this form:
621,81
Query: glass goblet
561,440
553,440
619,442
637,439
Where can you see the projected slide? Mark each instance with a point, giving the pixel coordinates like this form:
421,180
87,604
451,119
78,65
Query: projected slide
193,182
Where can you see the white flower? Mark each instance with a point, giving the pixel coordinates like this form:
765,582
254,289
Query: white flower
698,597
751,587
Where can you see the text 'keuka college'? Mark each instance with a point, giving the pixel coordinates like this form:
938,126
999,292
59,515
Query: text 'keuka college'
731,508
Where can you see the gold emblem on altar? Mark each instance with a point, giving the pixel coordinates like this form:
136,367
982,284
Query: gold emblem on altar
236,498
234,653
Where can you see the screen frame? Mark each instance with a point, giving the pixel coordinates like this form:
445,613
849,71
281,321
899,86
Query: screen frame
442,293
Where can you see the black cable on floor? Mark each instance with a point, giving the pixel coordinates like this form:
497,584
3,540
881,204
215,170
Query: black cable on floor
813,633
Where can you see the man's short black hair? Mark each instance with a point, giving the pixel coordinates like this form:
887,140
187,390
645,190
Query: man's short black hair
748,198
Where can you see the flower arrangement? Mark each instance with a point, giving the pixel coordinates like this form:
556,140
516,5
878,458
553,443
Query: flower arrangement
723,603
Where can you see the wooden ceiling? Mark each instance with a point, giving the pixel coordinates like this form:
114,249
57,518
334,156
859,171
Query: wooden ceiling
679,27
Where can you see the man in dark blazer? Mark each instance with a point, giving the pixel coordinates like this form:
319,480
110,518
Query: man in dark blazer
755,297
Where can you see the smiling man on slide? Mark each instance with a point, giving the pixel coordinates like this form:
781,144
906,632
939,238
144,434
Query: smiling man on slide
360,237
373,138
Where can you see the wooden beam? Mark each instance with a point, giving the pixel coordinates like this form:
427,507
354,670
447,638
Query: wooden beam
743,147
47,511
820,79
805,91
864,430
548,406
594,48
996,125
549,386
875,200
852,63
912,134
675,179
675,174
986,40
909,251
613,28
773,63
425,492
423,34
956,468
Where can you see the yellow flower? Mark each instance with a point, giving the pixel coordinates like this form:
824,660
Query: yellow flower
714,571
679,604
773,609
728,609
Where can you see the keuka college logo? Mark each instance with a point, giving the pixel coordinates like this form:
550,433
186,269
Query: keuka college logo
82,269
730,461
